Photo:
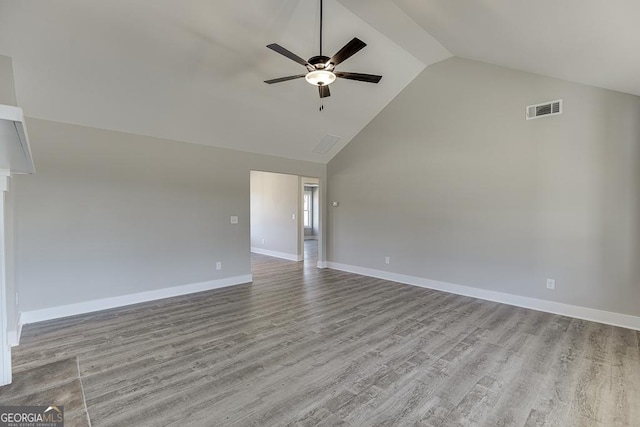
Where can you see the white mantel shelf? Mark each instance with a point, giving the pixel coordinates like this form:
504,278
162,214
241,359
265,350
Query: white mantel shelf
15,152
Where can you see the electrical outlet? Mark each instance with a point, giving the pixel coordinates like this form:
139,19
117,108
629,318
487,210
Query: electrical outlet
293,216
234,219
263,241
218,265
387,260
551,284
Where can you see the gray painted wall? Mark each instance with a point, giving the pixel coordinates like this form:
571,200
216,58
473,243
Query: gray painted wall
453,184
274,199
111,214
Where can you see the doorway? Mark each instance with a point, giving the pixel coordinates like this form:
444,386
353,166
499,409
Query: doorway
310,219
286,216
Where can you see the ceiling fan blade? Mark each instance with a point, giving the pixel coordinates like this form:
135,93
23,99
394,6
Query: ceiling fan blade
284,79
282,51
324,91
347,51
369,78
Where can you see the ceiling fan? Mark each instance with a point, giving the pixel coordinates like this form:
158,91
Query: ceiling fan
321,70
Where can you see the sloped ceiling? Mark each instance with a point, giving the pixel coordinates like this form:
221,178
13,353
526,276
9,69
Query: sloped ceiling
193,70
594,42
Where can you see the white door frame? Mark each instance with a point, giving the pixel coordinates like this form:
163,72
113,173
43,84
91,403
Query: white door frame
5,349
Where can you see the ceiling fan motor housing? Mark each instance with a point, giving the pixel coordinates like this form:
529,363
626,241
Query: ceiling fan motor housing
321,63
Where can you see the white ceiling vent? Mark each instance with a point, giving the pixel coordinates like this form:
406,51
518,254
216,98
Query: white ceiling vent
551,108
327,142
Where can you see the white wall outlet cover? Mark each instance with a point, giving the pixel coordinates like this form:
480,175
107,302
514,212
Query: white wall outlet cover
387,260
551,284
293,216
218,265
335,204
234,219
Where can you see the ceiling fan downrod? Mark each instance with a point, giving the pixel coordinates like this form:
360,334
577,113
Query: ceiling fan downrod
321,27
320,69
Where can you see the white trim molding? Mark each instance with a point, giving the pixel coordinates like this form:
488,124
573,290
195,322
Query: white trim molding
5,247
13,336
585,313
20,324
50,313
276,254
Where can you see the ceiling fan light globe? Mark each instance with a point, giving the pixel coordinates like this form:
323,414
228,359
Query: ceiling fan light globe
320,77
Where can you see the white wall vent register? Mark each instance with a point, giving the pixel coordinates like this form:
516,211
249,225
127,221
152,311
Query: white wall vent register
551,108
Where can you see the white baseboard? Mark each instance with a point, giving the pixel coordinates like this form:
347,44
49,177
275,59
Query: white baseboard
50,313
323,264
276,254
20,324
13,336
592,314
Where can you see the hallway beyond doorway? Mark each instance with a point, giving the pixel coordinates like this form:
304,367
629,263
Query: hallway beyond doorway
311,253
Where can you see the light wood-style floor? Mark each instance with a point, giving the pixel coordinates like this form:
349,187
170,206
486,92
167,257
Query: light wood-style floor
303,346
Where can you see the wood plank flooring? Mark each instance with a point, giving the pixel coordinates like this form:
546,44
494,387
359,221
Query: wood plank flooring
53,383
302,346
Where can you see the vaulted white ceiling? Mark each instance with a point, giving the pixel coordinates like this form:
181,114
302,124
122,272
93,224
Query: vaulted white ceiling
594,42
193,70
